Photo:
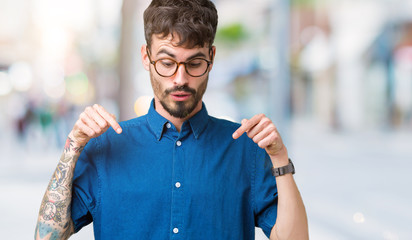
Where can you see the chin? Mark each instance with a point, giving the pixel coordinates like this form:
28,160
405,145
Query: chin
180,109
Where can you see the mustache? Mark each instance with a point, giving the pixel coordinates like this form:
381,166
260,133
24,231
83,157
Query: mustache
181,89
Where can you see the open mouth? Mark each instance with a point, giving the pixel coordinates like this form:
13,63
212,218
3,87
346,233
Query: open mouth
180,96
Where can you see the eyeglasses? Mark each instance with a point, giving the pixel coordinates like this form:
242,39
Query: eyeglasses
167,67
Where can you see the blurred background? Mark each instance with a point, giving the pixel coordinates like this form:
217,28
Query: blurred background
334,75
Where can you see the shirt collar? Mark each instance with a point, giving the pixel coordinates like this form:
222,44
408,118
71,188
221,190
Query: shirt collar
199,121
157,122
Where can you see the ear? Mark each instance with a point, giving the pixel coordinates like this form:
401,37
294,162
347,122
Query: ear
212,57
145,57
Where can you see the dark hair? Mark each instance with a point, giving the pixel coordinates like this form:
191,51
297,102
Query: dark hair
194,21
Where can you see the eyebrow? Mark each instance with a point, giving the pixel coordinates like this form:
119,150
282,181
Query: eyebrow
164,51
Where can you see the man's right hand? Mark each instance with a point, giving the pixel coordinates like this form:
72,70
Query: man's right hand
93,122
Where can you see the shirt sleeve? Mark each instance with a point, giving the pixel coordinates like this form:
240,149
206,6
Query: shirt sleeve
265,193
85,187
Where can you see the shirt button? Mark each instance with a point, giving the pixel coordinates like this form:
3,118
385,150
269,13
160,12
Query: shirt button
178,184
175,230
168,125
179,143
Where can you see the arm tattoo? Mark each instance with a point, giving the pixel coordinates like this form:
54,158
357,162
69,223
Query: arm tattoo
69,146
69,143
55,211
46,230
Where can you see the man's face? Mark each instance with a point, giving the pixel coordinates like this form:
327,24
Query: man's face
180,95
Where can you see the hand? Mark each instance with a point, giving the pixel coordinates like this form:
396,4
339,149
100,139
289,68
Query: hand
93,122
263,132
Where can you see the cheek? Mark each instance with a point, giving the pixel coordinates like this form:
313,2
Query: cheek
202,87
157,88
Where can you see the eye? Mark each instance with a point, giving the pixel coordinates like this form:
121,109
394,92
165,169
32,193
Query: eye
167,63
196,63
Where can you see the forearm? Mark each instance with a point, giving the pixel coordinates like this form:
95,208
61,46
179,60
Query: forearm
291,220
54,220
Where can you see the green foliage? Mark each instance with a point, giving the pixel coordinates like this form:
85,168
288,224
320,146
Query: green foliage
232,33
303,2
77,84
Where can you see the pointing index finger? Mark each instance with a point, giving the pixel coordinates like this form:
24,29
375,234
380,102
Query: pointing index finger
246,126
109,118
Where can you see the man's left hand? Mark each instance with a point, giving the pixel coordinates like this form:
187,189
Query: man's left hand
264,133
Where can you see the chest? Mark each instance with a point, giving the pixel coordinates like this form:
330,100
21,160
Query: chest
189,169
182,183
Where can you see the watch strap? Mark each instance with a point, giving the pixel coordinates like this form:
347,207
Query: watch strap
290,168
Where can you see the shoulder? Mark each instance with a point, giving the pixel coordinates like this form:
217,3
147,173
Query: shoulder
134,122
226,127
127,126
223,123
223,127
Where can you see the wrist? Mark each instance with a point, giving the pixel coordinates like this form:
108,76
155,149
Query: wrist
78,141
280,159
288,169
73,145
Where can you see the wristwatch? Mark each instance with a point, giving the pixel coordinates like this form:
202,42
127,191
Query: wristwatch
284,170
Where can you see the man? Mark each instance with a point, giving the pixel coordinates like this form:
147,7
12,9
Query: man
175,173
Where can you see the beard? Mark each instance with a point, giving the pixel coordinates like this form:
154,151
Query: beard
176,108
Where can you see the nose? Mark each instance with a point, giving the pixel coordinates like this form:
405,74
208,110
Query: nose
180,78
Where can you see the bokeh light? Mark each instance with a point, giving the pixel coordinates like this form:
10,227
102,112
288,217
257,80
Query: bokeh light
358,217
78,84
79,89
142,104
53,82
55,91
388,235
5,84
21,76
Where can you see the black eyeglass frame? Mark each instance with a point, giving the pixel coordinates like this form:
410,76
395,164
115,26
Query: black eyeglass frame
179,63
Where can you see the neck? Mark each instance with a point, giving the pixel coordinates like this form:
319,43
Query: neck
177,122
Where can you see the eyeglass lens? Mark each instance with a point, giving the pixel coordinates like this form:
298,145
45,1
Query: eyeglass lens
195,67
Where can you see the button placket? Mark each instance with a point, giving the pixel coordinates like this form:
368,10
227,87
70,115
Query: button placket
178,199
